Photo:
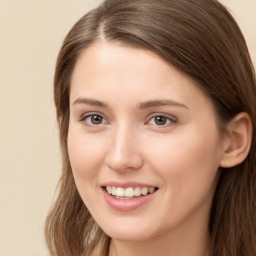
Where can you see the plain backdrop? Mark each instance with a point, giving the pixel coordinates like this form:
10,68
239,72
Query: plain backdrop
31,33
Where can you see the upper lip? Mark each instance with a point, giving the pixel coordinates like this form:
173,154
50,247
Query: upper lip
126,184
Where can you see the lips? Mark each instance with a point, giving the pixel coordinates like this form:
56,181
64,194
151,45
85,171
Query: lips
128,196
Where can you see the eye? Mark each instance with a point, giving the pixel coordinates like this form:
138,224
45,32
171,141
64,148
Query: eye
161,120
94,120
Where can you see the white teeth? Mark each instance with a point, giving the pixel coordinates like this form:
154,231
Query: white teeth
109,189
144,191
151,190
119,191
129,192
137,191
113,191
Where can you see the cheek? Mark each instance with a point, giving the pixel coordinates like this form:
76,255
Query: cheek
85,153
86,161
188,164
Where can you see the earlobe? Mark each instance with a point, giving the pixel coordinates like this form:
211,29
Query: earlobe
238,142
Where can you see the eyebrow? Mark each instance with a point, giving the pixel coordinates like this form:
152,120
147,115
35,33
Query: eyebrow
143,105
159,103
91,102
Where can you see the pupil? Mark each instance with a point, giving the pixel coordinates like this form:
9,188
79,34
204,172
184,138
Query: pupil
96,119
160,120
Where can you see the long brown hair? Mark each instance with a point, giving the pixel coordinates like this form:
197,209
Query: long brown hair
202,40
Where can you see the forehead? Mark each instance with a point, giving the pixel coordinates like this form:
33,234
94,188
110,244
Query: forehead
104,70
108,58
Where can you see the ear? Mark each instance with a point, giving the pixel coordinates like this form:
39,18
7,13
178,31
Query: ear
237,143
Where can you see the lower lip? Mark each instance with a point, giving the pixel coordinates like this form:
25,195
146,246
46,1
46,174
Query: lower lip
127,204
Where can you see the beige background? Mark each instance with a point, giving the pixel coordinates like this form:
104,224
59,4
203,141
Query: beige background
31,32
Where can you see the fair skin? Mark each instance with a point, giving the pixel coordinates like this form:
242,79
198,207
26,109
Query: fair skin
135,121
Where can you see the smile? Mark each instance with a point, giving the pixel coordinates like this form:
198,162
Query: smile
128,198
130,192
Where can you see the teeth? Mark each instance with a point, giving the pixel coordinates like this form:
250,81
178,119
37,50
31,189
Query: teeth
144,191
137,191
113,191
109,189
120,192
129,192
151,190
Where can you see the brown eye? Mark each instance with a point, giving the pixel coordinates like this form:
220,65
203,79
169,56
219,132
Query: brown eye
94,119
160,120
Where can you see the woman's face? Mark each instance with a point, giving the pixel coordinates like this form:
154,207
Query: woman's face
143,144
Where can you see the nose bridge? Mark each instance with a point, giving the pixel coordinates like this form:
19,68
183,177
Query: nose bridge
123,151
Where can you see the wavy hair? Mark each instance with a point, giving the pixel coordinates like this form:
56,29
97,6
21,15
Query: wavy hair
202,40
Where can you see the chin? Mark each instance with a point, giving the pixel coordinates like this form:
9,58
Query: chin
129,236
135,233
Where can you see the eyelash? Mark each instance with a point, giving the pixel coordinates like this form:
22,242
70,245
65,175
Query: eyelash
170,120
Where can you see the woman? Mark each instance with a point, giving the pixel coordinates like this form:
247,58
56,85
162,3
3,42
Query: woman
156,111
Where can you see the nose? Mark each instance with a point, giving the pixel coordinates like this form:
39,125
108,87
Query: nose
124,153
